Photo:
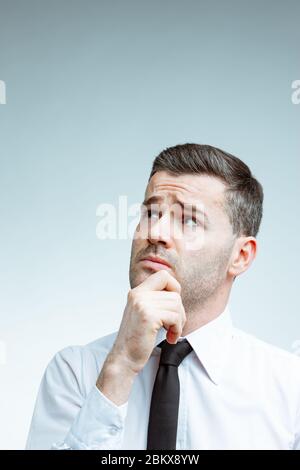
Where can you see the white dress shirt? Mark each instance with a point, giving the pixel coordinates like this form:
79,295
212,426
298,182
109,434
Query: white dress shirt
236,392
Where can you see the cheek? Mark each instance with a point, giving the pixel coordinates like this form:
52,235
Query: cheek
196,258
138,244
194,243
139,233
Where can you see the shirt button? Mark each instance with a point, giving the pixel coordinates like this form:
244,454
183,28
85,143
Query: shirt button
113,429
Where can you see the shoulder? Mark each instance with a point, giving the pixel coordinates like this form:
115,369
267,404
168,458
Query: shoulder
97,349
264,355
80,365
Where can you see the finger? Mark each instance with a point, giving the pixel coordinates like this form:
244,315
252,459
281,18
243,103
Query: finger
172,322
162,295
159,281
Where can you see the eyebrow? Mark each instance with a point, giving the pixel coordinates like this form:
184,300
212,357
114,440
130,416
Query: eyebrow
157,199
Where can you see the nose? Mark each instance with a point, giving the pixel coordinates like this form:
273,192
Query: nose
160,230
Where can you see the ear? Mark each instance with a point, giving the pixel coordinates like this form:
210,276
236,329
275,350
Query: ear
243,254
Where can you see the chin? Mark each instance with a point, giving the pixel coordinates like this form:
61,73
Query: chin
137,278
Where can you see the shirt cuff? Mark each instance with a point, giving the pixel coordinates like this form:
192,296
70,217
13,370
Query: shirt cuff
98,425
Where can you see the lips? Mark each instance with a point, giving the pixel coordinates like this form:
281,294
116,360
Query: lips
156,262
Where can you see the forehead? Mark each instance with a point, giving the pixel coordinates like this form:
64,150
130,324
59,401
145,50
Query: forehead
203,189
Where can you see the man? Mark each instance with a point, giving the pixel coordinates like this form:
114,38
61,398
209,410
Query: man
178,374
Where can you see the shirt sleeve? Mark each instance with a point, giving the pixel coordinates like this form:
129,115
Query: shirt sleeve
296,445
66,418
296,387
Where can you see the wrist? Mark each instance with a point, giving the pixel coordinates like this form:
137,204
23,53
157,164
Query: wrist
115,380
117,364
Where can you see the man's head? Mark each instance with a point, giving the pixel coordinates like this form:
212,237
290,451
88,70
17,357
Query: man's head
211,240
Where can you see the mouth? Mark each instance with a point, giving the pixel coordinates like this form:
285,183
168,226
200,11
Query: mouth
155,263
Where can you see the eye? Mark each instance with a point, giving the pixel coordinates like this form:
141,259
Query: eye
151,213
190,221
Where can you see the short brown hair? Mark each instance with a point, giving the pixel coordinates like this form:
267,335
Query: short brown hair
243,195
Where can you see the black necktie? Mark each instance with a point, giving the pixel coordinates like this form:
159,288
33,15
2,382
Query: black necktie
162,427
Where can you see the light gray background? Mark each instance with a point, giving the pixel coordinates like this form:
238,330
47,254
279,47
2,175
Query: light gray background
95,89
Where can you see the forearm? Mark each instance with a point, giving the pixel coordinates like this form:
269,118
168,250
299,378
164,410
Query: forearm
115,380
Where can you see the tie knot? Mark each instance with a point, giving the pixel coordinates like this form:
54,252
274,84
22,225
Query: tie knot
173,354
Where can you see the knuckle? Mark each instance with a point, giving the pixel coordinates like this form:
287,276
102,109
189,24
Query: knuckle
177,317
175,296
144,317
137,302
131,295
141,306
164,274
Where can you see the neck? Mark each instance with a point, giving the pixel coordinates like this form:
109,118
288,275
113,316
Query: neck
204,313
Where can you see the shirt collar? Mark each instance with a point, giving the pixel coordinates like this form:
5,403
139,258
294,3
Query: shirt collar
210,343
